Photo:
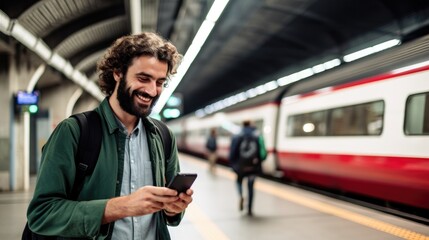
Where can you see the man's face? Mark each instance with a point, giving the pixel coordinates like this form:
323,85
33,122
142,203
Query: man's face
139,90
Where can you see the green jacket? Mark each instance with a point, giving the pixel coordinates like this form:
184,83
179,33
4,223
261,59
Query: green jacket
51,213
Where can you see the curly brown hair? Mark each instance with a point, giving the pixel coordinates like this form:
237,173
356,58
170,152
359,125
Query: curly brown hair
124,50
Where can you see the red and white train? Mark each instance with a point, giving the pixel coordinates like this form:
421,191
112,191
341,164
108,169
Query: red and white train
362,128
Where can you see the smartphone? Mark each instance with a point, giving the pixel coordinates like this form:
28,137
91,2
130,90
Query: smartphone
182,181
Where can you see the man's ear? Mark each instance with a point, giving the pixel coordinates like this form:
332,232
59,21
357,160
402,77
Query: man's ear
117,75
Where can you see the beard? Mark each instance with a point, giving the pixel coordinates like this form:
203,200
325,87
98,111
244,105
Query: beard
127,103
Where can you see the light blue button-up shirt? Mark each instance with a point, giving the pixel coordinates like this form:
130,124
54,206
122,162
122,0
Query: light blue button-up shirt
137,173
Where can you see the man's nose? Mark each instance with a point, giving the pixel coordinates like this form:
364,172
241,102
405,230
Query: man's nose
151,88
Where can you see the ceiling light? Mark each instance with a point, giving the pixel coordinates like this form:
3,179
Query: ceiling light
43,50
57,61
94,90
318,68
288,79
78,77
68,70
202,34
23,35
200,113
251,93
332,63
241,97
271,85
39,47
4,22
189,57
260,89
216,10
136,16
368,51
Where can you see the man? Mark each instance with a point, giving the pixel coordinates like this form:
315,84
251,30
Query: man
125,197
247,152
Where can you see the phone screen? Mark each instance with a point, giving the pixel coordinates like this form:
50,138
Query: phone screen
182,181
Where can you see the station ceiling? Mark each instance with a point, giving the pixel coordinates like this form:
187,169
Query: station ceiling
253,42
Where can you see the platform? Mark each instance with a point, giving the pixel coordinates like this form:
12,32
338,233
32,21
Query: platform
280,212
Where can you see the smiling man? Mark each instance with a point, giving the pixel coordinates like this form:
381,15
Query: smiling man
125,197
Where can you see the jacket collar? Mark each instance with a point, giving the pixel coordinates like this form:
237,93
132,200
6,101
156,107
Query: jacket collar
106,111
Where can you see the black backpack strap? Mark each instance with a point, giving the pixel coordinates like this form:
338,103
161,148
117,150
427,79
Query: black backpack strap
88,148
165,137
86,158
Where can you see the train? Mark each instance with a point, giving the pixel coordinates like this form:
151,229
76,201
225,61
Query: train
361,128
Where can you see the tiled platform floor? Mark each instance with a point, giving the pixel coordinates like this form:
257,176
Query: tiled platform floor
280,212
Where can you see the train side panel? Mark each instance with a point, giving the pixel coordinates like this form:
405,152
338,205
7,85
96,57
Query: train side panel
382,165
193,131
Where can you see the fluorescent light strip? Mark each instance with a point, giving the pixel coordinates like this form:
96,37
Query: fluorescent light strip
68,69
191,54
136,16
203,32
57,61
23,35
39,47
269,86
4,22
371,50
43,50
216,10
297,76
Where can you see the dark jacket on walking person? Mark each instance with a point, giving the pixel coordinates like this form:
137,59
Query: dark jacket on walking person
247,152
211,146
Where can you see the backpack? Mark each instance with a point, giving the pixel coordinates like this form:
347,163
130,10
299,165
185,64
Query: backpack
87,155
248,155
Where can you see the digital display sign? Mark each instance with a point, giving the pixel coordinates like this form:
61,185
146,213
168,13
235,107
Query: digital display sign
27,98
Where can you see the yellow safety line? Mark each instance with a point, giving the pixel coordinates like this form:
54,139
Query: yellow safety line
319,206
205,226
342,213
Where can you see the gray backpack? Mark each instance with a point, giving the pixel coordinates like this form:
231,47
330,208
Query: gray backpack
248,155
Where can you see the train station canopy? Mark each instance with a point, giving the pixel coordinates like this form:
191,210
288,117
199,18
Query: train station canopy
230,46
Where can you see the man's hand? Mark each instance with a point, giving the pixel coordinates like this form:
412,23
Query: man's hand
178,206
146,200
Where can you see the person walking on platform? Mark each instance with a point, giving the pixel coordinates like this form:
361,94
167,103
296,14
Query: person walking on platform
247,152
125,196
211,146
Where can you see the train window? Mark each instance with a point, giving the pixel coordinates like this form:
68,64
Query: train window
222,132
362,119
203,132
307,124
417,114
194,133
259,124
